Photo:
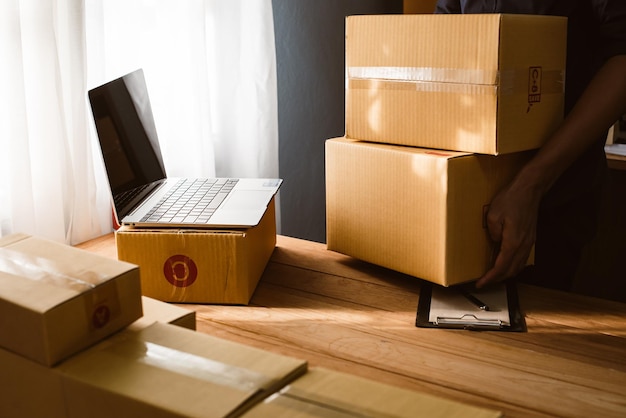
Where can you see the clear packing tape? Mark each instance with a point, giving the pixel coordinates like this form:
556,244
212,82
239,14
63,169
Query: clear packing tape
191,365
452,80
36,268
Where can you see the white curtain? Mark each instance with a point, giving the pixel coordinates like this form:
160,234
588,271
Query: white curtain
210,70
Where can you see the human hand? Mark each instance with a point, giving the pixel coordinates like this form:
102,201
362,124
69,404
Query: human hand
512,224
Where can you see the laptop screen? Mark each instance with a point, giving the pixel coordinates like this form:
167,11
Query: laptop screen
127,133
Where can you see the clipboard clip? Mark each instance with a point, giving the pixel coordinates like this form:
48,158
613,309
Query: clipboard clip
469,321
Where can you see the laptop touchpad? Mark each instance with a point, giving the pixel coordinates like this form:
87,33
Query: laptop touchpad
247,200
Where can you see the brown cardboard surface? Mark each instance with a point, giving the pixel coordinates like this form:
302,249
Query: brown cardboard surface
200,266
417,211
156,311
32,390
29,389
56,300
329,394
168,371
487,84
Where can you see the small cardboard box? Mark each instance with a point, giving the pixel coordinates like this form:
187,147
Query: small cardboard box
32,390
169,371
55,300
200,266
414,210
157,311
324,393
488,84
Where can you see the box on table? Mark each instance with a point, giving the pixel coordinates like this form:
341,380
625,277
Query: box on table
488,84
169,371
29,389
324,393
156,311
32,390
200,266
55,300
414,210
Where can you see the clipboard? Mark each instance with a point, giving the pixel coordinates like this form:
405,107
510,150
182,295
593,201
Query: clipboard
452,308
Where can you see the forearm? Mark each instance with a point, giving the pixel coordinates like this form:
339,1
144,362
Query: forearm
602,103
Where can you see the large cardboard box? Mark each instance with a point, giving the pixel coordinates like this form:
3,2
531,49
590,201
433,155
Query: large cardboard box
169,371
55,300
489,84
200,266
32,390
325,393
29,389
414,210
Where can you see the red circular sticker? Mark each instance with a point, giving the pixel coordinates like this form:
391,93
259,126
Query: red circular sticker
101,316
180,270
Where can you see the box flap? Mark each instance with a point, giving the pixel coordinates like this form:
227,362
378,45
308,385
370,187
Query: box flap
380,47
325,393
165,367
156,311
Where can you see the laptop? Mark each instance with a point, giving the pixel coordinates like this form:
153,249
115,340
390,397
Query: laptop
142,194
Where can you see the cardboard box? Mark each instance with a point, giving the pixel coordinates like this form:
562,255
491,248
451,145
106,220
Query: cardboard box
32,390
29,389
157,311
200,266
490,84
414,210
169,371
55,300
324,393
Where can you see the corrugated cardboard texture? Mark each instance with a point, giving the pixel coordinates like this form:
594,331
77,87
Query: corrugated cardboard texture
56,300
168,371
200,266
456,82
328,394
417,211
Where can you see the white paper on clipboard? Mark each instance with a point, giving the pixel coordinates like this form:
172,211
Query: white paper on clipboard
450,306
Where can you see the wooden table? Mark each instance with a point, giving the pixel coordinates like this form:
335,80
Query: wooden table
347,315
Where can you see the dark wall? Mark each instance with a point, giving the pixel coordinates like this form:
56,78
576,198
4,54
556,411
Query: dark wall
311,86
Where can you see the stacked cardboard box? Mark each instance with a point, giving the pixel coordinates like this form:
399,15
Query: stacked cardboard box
56,300
31,389
78,339
441,112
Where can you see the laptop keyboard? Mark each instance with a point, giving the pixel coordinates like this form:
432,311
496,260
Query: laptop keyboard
191,201
124,198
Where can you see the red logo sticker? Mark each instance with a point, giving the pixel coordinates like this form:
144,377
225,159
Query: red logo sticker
180,270
101,316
